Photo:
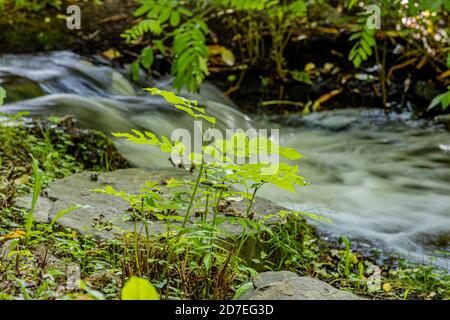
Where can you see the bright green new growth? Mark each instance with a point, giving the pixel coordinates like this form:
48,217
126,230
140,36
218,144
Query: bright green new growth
442,99
224,152
37,175
139,289
363,48
182,25
189,41
29,4
2,95
205,241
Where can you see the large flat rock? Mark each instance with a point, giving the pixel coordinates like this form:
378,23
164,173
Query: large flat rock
285,285
102,214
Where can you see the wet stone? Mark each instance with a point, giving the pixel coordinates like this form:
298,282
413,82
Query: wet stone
286,285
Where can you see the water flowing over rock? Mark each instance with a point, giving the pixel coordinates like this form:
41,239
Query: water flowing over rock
285,285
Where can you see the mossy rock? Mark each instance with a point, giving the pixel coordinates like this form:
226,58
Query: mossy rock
102,214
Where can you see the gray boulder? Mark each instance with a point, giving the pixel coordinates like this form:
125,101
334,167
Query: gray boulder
102,214
285,285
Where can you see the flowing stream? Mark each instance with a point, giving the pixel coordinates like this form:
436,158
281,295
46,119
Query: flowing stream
383,180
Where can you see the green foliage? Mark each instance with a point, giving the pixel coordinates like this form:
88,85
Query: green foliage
351,3
183,27
427,17
189,49
2,95
365,44
224,152
442,99
255,18
420,281
434,5
201,260
19,146
36,5
146,205
30,5
30,241
347,255
158,15
301,76
289,246
191,55
247,5
204,240
37,185
142,28
282,19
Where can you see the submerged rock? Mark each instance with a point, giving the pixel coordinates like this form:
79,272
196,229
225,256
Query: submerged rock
286,285
102,215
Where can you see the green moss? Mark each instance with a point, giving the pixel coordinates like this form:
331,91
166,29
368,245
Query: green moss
60,148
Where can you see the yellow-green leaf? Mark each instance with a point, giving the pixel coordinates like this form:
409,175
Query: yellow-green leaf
139,289
289,153
2,95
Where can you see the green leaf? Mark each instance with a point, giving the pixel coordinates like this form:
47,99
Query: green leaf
138,138
62,213
228,57
298,8
351,3
185,12
160,46
167,95
175,19
135,70
188,110
166,146
152,137
2,95
442,99
289,153
208,118
147,57
191,55
301,76
142,10
362,49
154,12
139,289
445,100
37,175
164,15
93,293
